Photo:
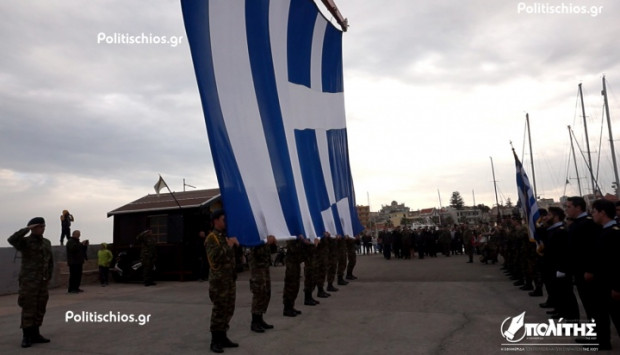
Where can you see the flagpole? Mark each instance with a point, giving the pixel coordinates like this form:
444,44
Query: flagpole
171,194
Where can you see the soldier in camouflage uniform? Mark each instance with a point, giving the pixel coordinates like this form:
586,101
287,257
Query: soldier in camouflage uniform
222,278
292,274
332,263
148,255
260,283
310,271
321,262
351,257
34,276
341,245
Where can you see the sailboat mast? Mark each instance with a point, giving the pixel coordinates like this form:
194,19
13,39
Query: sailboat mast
585,127
572,149
529,138
611,140
499,214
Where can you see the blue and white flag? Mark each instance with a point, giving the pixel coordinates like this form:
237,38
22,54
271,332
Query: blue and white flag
271,83
527,200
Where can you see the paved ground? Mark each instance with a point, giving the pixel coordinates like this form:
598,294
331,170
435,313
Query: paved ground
430,306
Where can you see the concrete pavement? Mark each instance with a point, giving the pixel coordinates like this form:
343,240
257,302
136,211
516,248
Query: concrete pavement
432,306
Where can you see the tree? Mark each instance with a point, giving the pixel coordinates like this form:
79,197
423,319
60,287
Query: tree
509,203
483,208
456,200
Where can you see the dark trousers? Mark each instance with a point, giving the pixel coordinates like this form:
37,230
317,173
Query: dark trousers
586,293
75,277
103,274
563,298
65,233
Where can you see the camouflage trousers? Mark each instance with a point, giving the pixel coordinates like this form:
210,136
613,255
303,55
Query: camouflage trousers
222,292
352,260
33,296
147,269
309,271
320,263
342,257
260,285
291,281
332,264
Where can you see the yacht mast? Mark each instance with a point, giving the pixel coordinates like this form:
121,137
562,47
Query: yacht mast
529,138
585,127
572,149
499,213
611,139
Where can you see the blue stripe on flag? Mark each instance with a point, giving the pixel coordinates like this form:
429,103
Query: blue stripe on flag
341,172
312,174
527,199
261,62
231,184
332,78
302,16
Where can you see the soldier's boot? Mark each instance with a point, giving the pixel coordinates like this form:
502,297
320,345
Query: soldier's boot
227,343
321,293
289,311
36,337
216,345
256,325
331,288
341,281
351,277
263,323
27,337
308,300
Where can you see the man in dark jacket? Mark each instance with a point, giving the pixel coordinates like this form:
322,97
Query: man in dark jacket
76,254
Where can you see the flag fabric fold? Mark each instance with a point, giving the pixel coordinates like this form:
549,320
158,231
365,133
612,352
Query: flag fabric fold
527,200
160,184
269,73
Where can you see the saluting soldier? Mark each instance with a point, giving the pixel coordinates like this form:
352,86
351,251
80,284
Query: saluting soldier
34,277
260,283
222,281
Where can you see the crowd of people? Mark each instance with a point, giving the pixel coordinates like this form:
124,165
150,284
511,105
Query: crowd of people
404,242
572,254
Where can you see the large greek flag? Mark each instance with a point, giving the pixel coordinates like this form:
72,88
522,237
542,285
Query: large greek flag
271,83
527,200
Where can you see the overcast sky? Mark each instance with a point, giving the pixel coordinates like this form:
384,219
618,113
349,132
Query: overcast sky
432,90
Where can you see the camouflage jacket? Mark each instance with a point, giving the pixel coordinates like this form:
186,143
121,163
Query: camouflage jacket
148,244
221,256
37,258
260,257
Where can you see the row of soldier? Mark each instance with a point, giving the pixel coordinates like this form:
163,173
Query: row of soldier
403,243
573,251
324,259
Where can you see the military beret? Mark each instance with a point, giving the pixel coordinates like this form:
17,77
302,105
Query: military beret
36,220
